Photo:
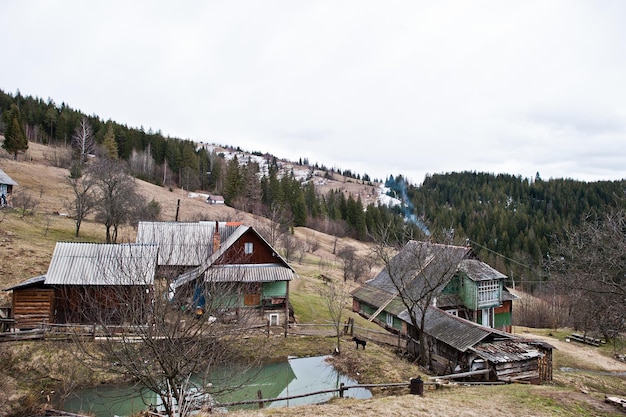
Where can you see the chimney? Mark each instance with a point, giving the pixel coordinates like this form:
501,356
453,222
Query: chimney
216,237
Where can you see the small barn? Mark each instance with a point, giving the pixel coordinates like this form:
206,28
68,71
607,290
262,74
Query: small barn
88,283
456,345
33,303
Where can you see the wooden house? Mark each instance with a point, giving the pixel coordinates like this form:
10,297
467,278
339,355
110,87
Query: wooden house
245,273
86,283
183,245
455,279
6,186
465,297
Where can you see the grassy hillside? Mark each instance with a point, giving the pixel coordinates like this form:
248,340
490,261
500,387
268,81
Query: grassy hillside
27,242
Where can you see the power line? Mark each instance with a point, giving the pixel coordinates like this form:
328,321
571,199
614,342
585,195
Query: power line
531,268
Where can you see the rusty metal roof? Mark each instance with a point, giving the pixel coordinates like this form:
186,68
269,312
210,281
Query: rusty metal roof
102,264
503,351
479,271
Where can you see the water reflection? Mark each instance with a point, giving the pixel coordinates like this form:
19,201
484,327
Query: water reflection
283,379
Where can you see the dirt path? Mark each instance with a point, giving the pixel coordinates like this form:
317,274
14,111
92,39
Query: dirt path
588,356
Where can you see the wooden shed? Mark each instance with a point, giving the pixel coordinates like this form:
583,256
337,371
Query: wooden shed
456,345
33,303
85,283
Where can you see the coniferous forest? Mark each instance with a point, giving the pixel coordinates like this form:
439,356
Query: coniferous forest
512,222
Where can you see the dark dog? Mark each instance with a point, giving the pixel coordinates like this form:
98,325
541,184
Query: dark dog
359,342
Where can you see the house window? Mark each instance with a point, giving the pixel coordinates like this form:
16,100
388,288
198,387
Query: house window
389,319
453,312
247,248
488,293
274,319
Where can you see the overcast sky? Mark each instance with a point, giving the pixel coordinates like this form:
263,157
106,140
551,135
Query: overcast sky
377,87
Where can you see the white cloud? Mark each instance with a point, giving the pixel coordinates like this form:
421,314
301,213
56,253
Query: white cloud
399,87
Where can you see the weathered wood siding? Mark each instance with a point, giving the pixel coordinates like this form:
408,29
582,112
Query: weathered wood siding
33,306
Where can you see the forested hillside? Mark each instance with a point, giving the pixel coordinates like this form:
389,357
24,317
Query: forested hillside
511,221
519,218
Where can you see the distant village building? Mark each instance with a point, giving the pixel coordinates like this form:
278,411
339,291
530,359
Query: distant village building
6,187
215,199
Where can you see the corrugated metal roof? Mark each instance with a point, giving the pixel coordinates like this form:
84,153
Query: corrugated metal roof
183,243
29,282
226,244
249,273
479,271
5,179
102,264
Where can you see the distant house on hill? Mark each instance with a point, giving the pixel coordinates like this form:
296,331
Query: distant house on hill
6,187
469,312
85,283
215,199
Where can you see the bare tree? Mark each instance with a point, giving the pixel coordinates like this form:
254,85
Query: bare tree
336,297
118,198
416,274
353,266
589,264
24,201
85,198
273,230
83,140
186,355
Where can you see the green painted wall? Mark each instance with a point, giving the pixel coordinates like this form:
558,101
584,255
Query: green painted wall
502,319
274,289
469,293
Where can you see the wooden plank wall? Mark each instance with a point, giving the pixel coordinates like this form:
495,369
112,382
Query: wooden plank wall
31,307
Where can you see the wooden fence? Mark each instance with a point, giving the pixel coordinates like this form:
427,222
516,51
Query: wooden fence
414,385
49,331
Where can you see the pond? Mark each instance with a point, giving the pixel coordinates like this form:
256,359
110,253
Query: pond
275,380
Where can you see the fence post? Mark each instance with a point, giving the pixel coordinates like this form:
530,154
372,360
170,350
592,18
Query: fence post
416,386
341,390
259,395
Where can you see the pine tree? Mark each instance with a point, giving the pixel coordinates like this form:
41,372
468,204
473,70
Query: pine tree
109,144
15,140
